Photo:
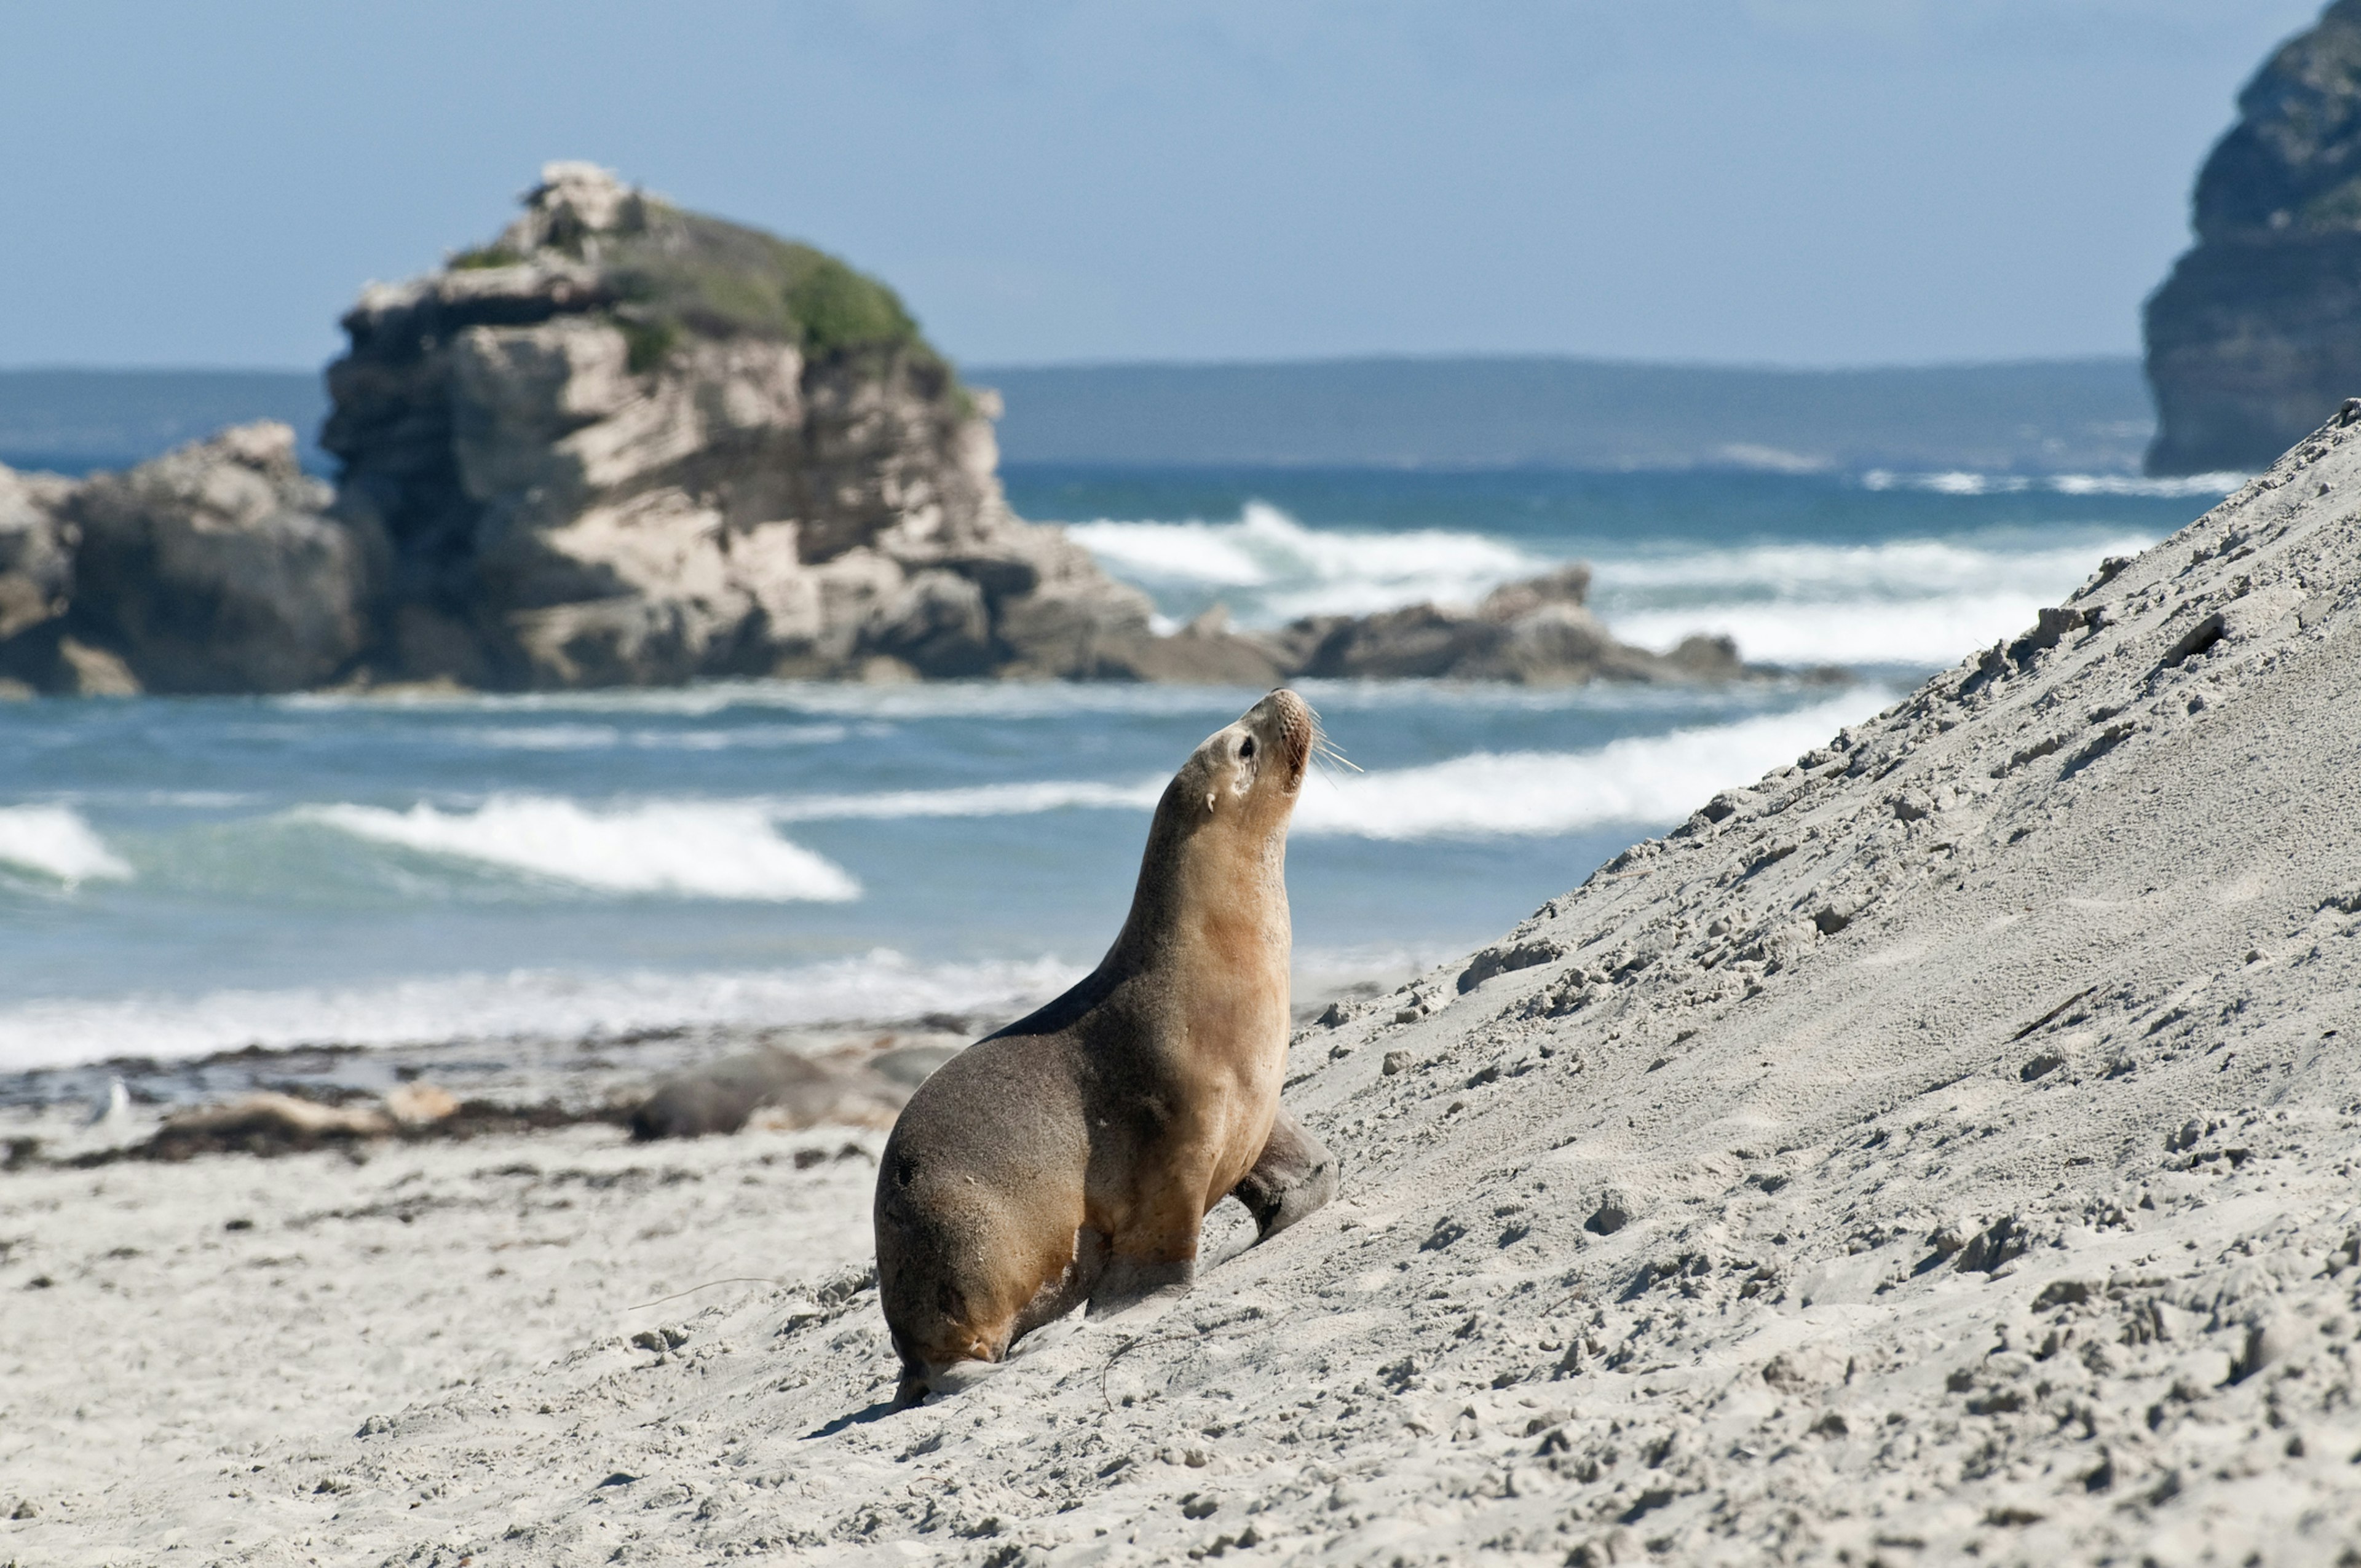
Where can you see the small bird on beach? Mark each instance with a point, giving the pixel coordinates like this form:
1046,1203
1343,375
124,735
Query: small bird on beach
112,1109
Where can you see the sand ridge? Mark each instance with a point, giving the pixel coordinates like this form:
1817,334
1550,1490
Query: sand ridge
1943,1149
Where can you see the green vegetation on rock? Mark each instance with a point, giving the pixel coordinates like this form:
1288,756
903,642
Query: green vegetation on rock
676,275
483,256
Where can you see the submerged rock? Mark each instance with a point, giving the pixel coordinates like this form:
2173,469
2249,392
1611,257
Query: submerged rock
2255,337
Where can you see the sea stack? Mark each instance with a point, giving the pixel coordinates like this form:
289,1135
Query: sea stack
625,443
2256,336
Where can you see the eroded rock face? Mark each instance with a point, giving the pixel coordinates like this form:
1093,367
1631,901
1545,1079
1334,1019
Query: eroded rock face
213,568
627,444
36,553
2256,336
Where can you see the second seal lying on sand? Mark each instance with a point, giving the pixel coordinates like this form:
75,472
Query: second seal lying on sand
1072,1155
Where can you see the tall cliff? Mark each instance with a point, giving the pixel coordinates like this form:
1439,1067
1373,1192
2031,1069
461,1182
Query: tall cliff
2256,336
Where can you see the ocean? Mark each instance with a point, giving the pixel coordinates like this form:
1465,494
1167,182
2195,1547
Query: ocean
180,877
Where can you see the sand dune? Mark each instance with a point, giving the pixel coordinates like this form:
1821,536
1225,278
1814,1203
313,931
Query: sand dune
1944,1148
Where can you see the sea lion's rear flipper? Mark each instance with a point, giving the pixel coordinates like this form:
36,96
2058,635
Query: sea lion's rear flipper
1295,1175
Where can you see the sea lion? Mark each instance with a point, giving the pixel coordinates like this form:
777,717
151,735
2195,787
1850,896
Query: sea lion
722,1096
1072,1155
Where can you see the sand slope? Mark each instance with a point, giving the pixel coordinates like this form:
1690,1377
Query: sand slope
1945,1148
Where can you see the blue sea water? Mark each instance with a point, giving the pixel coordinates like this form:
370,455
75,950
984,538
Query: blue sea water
183,876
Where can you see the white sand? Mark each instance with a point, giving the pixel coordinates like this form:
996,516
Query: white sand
2088,1017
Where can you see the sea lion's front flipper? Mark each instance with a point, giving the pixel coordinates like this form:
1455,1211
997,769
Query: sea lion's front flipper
1128,1281
1295,1175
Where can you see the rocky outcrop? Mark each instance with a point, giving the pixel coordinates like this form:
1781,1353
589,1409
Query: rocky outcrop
36,553
1537,633
212,569
2255,337
628,444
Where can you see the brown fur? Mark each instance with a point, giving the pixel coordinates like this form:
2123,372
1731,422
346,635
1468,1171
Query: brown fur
1072,1155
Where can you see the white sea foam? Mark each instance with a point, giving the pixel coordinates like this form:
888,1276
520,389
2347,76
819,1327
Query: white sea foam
1961,482
1909,601
1276,569
831,699
697,848
975,800
1637,780
1922,601
1890,569
53,841
611,737
1019,701
880,986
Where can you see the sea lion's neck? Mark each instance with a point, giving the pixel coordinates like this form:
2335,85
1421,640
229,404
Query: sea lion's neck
1213,900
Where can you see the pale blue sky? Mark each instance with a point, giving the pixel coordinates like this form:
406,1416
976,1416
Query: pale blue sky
1793,182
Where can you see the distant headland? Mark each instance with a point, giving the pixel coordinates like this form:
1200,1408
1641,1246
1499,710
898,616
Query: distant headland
2255,337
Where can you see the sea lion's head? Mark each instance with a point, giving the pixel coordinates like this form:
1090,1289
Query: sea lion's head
1251,771
1217,850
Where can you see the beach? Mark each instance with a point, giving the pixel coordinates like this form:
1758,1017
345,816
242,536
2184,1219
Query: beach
1939,1149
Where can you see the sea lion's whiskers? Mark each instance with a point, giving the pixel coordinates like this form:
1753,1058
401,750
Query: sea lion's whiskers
1323,750
1329,751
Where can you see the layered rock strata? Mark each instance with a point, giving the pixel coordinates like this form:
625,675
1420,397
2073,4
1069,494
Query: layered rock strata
2256,336
627,444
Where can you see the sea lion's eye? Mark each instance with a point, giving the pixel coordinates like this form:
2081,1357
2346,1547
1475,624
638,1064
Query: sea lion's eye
1245,750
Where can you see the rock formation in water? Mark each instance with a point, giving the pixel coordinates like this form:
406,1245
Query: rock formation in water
213,568
2256,336
626,445
1537,633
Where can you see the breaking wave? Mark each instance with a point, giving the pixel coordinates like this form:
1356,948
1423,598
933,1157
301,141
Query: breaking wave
1918,601
1271,568
709,849
1483,795
1915,601
52,841
1961,482
611,737
879,986
978,800
1639,780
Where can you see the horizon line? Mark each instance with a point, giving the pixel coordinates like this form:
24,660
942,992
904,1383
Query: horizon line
1377,357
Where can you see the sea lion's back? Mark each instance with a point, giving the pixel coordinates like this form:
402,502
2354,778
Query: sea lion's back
1003,1113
